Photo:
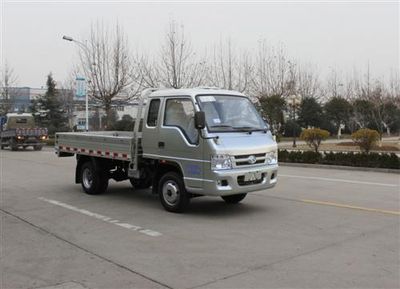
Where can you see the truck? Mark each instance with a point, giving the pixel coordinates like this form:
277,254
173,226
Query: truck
185,143
20,130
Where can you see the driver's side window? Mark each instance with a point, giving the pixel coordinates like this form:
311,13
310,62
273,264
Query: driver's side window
179,112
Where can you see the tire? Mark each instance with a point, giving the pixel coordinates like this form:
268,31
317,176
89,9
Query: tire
234,199
13,145
172,192
93,182
37,147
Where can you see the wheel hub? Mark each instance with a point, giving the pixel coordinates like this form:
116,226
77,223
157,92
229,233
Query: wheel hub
87,178
170,193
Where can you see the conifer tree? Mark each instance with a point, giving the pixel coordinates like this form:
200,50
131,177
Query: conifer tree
48,109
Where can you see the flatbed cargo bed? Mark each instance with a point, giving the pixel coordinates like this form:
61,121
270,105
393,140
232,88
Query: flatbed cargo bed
107,144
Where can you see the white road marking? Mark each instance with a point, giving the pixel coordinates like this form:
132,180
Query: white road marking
340,180
104,218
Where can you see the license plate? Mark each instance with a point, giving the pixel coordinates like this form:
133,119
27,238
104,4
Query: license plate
253,176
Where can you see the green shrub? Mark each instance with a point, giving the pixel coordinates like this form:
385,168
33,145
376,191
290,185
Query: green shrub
314,136
365,138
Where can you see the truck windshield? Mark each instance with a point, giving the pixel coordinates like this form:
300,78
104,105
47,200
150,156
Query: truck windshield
227,113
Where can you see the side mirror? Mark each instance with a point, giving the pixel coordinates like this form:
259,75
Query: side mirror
199,120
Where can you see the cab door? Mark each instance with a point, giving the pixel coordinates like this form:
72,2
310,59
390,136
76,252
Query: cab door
151,127
179,141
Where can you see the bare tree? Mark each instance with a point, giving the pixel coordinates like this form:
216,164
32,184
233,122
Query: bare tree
66,93
107,66
394,88
274,73
230,70
177,66
7,82
334,84
148,72
307,82
180,66
374,93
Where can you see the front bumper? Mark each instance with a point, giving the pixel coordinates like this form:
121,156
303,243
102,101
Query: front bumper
30,141
231,182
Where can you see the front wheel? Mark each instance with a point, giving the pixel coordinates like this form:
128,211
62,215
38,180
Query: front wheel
93,182
37,147
13,145
234,199
172,192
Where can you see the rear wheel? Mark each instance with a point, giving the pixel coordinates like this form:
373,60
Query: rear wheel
93,182
234,199
172,192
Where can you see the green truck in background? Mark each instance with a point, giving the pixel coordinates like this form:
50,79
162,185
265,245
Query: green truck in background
20,130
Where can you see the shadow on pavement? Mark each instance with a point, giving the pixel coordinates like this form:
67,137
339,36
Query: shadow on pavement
200,206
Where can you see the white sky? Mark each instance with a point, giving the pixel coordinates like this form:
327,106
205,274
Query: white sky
326,34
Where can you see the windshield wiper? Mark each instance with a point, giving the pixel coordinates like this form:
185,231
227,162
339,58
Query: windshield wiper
221,125
249,128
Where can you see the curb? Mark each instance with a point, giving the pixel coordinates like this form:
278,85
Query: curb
334,167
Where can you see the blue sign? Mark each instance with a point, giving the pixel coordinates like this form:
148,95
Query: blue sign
3,120
80,88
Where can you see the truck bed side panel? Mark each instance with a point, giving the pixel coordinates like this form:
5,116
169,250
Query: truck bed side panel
112,145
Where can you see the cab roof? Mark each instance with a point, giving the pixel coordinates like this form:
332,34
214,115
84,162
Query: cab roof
193,92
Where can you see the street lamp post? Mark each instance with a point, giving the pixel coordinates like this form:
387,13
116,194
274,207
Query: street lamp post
86,50
294,101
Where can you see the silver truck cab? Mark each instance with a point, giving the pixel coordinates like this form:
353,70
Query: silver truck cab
233,154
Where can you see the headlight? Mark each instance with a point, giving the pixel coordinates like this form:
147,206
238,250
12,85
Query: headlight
221,162
271,158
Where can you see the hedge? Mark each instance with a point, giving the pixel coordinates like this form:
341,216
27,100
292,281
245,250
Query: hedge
354,159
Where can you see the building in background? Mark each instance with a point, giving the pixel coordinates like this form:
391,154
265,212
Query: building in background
21,99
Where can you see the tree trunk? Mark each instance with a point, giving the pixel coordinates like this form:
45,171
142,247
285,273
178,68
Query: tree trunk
108,111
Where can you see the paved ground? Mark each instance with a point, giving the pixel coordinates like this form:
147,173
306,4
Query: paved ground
317,229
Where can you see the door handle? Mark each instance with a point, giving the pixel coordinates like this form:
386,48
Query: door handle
161,144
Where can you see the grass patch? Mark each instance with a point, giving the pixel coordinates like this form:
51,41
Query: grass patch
383,147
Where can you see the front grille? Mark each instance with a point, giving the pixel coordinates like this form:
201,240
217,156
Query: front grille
246,163
242,160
